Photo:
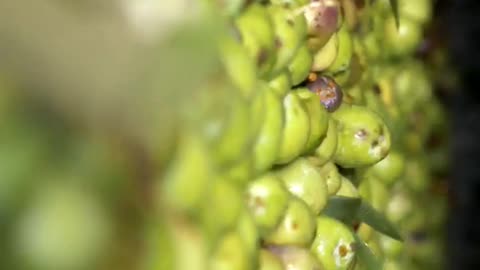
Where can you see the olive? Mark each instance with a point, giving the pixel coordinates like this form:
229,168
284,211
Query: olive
301,64
404,40
296,258
325,151
269,261
332,177
324,55
230,254
328,92
267,199
318,118
297,226
281,84
303,179
333,244
323,18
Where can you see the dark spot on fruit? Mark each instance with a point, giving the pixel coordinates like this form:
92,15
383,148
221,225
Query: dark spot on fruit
356,226
359,4
375,143
278,43
290,22
361,134
258,202
294,226
342,250
376,89
286,5
262,57
328,91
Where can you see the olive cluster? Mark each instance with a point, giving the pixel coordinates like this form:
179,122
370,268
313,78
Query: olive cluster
316,100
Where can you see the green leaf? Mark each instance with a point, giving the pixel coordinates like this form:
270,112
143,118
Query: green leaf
394,5
367,214
343,208
366,258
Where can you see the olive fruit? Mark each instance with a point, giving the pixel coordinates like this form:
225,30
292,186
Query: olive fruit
390,168
267,199
301,64
186,181
332,177
318,118
324,56
347,188
230,254
281,84
323,18
328,91
290,32
404,40
363,137
345,51
296,129
303,179
296,258
248,232
325,151
269,261
399,207
391,247
228,202
266,145
333,244
417,10
257,35
297,226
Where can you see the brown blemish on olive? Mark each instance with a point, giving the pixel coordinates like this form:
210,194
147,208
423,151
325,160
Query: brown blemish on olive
278,43
294,226
342,250
376,89
328,91
361,134
290,22
375,143
262,57
258,202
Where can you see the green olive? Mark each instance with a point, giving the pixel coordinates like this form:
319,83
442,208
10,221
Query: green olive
328,146
331,175
303,179
345,51
270,136
347,188
296,258
333,244
247,229
301,64
404,40
297,226
399,206
363,137
418,10
281,84
296,129
390,168
269,261
391,247
290,34
230,254
267,199
257,35
318,118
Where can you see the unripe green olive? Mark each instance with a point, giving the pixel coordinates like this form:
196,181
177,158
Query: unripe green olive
324,56
230,254
281,84
399,206
347,189
295,258
318,118
266,146
296,129
239,66
248,232
240,172
390,168
297,226
378,194
228,201
290,34
345,51
363,137
186,181
404,40
269,261
333,244
267,199
332,177
391,247
418,10
303,179
257,35
301,64
327,148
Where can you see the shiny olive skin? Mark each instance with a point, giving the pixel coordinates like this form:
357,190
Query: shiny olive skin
332,177
269,261
230,254
301,64
345,51
265,148
296,130
297,226
325,151
281,84
303,179
318,118
323,19
403,41
333,244
325,55
295,258
389,169
363,137
347,188
267,199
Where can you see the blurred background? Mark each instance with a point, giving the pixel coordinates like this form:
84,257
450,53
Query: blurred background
83,127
